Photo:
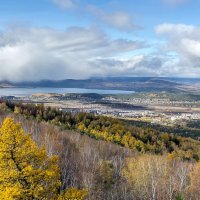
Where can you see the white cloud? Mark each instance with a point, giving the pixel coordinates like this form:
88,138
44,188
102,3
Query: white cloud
142,65
119,20
179,56
43,53
117,66
184,40
171,30
66,4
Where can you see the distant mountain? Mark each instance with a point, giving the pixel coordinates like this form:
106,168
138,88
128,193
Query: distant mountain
6,84
116,83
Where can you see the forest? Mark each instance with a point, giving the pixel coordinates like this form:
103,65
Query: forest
190,129
49,154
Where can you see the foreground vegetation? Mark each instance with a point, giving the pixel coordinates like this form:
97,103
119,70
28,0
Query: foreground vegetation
26,172
104,169
142,139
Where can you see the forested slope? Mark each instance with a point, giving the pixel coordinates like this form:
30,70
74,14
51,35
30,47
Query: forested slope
142,139
107,169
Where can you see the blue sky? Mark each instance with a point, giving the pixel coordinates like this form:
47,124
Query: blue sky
146,14
59,39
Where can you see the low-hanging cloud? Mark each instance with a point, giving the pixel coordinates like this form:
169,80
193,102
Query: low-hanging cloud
30,54
44,53
140,65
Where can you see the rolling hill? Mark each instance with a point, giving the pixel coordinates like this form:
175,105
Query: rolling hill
145,84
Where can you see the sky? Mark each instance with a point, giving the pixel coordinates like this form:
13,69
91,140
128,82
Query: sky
79,39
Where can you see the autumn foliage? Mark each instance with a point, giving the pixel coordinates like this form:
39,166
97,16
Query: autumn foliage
142,139
26,172
53,162
73,194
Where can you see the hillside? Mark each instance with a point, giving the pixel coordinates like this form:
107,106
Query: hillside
144,84
138,138
107,170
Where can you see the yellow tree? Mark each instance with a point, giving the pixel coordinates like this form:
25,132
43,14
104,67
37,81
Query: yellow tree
146,175
26,172
73,194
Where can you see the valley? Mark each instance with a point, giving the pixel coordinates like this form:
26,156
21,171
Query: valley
171,111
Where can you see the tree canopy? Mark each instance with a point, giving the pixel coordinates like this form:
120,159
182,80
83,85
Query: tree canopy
26,172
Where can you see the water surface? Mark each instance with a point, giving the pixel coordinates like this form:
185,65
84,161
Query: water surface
22,92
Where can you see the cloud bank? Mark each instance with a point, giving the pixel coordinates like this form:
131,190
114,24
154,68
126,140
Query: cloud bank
30,54
44,53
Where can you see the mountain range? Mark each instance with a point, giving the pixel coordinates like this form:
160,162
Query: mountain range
115,83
